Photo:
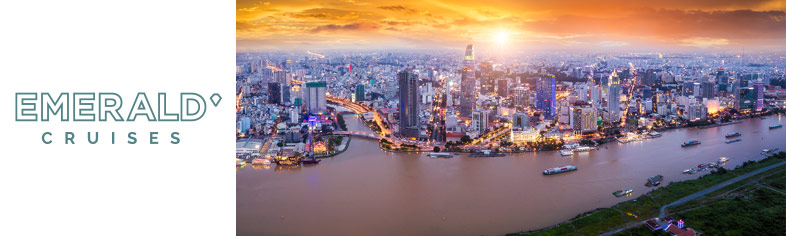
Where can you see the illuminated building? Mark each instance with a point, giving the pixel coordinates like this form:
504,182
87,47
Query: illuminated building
546,94
467,84
314,97
408,104
614,97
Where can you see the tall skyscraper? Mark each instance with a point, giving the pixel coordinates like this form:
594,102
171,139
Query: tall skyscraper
519,120
746,100
408,104
614,97
546,94
360,93
758,91
314,97
486,78
520,97
583,119
596,95
273,93
707,89
502,88
480,121
467,92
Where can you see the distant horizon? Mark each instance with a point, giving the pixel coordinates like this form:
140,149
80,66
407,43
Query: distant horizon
609,25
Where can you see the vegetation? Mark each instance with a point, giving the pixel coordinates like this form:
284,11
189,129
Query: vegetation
341,123
766,208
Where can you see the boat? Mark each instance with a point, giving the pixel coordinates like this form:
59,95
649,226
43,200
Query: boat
691,143
487,153
689,171
261,161
776,126
734,141
239,162
731,135
566,152
310,160
723,160
440,154
582,149
654,180
558,170
654,134
620,193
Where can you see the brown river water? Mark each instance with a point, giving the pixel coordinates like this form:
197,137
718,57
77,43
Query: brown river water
367,191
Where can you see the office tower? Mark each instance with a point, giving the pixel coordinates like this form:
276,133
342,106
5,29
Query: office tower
583,119
360,93
707,89
746,100
721,77
596,95
546,94
282,77
697,111
520,97
273,93
314,97
758,94
582,92
614,97
408,104
286,94
486,78
646,92
502,88
480,121
467,92
519,120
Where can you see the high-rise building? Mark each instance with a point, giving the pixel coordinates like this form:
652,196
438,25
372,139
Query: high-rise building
274,93
314,97
486,78
467,92
408,104
746,100
286,94
502,88
360,93
596,95
546,94
480,121
520,97
519,120
282,77
707,89
614,97
758,91
583,119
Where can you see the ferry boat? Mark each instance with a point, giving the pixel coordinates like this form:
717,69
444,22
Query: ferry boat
558,170
691,143
582,149
731,135
654,134
723,160
566,153
654,180
261,161
620,193
734,141
487,153
310,161
776,126
440,154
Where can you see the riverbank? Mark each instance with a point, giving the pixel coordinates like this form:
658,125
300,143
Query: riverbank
648,205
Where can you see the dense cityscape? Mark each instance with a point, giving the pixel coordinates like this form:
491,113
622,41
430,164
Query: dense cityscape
446,101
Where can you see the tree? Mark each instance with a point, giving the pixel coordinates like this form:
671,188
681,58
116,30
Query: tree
280,144
465,139
436,149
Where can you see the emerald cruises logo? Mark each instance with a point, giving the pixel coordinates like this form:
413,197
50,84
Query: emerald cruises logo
107,106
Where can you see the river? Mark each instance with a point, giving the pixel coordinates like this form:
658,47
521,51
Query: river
367,191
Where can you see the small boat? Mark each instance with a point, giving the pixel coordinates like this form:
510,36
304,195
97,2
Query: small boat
440,154
733,141
702,165
776,126
558,170
723,160
582,149
654,180
620,193
654,134
689,171
691,143
731,135
310,160
239,162
566,152
712,165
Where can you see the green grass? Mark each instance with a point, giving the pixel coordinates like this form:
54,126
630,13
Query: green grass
647,206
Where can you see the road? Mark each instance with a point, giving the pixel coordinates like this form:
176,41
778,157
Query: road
699,195
716,187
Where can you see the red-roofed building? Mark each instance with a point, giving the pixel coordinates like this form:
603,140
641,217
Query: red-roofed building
453,137
674,230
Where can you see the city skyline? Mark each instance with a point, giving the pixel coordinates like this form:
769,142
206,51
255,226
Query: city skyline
506,26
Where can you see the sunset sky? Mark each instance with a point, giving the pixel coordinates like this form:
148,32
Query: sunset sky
525,24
